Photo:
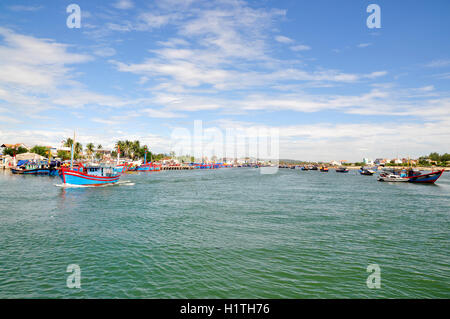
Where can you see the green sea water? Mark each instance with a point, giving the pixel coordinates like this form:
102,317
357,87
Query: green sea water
231,233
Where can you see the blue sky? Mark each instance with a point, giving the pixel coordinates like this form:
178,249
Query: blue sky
334,88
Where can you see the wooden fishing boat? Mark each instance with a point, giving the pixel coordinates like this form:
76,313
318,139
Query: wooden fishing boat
35,171
428,178
89,176
149,167
364,171
122,168
342,170
324,169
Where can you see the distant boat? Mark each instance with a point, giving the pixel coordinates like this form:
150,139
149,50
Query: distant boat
314,168
89,176
25,167
36,171
304,168
122,168
148,167
324,169
392,178
342,170
364,171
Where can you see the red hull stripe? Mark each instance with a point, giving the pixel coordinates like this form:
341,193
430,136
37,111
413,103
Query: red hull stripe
428,174
104,179
91,177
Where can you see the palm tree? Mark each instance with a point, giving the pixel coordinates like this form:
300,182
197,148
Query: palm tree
68,142
90,148
136,148
99,146
78,148
129,148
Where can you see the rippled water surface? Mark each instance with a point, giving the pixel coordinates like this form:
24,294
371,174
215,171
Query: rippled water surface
225,233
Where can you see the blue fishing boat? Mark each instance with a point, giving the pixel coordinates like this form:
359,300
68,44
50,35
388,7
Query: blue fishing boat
36,171
89,176
121,168
429,178
26,167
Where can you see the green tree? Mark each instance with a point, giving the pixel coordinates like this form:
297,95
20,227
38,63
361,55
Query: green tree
64,155
434,157
14,151
41,150
445,157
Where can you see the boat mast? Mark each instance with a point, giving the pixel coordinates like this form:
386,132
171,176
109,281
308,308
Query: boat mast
118,153
71,152
145,156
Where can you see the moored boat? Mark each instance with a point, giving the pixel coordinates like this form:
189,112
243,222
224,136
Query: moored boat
122,168
342,170
365,171
392,178
324,169
428,178
36,171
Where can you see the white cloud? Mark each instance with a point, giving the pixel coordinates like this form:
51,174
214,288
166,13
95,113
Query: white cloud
283,39
151,20
376,74
300,47
105,52
123,4
161,113
29,61
25,8
438,63
364,45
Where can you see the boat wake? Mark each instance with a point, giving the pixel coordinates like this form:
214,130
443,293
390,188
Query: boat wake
120,183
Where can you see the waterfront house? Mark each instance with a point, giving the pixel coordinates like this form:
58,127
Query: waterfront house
16,146
6,161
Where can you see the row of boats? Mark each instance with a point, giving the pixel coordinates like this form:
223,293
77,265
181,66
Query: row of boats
386,175
96,175
79,174
82,174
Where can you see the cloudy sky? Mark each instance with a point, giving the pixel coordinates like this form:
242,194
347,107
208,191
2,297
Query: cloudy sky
334,88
